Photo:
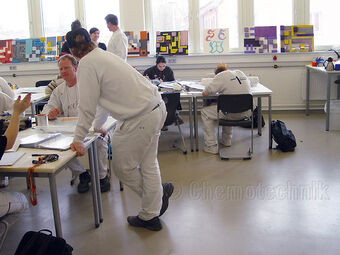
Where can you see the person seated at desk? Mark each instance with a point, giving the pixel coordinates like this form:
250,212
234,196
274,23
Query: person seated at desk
13,202
94,34
225,82
160,71
64,101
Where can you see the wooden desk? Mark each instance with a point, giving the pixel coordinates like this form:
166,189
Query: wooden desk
50,170
328,75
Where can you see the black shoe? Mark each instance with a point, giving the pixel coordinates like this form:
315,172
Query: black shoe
168,188
105,184
154,224
84,180
165,128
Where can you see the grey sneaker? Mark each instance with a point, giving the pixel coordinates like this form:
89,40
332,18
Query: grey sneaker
105,184
84,180
154,224
168,188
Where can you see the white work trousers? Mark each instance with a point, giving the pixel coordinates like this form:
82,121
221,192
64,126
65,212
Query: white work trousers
209,121
134,158
12,202
76,166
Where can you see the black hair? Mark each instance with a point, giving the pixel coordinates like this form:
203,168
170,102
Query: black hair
112,19
160,59
75,25
93,30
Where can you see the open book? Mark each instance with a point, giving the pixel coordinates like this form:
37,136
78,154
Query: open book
33,141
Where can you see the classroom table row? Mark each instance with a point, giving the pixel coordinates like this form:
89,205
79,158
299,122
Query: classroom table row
193,96
50,170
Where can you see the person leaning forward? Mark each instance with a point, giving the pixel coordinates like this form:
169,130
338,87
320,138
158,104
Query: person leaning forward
106,80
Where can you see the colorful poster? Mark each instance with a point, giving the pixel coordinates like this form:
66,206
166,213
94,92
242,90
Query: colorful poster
172,43
138,43
50,53
216,41
60,42
297,38
260,39
6,51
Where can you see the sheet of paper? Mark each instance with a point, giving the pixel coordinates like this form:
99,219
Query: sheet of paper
9,158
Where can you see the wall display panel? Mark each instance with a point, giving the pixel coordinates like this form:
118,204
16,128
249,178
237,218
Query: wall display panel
60,42
172,43
260,39
28,50
6,51
50,52
138,43
297,38
216,41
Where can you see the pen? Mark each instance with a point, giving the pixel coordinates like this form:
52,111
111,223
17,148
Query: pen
37,155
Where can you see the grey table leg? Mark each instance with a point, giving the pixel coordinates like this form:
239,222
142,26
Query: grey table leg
96,168
94,187
307,91
190,124
55,205
270,121
196,123
259,116
33,109
328,101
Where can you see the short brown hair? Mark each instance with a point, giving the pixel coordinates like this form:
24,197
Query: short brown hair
220,68
69,57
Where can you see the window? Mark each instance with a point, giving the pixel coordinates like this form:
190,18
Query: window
273,13
57,17
14,21
324,17
96,12
220,14
170,15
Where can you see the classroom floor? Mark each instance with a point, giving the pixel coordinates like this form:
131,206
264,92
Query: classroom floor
275,203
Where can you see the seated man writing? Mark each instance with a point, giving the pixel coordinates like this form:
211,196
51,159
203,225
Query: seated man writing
64,101
225,82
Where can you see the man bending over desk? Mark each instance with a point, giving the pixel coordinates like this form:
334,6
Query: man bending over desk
225,82
64,101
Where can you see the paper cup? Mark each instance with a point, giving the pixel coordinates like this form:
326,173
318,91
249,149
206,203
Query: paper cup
41,119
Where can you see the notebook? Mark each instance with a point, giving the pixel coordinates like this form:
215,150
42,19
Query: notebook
9,158
33,141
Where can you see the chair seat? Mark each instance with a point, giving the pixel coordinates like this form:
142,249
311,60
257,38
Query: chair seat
234,123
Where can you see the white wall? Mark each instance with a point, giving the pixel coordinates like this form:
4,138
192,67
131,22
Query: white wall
287,81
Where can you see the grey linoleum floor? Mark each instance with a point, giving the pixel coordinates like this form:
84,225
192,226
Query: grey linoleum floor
275,203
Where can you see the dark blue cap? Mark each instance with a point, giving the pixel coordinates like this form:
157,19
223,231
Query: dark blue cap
71,36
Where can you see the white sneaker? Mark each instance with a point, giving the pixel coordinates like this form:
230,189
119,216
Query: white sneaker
211,149
226,143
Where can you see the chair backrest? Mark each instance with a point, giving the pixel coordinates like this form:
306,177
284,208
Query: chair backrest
42,83
171,101
235,103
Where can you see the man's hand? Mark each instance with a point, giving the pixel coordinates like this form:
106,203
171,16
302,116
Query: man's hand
54,113
103,131
20,106
78,147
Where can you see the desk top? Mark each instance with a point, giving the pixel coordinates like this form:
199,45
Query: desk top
64,156
322,70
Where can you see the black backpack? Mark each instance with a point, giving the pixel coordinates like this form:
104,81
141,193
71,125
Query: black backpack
284,138
38,243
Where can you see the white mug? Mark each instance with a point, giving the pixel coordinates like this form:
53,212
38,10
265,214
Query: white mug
42,119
